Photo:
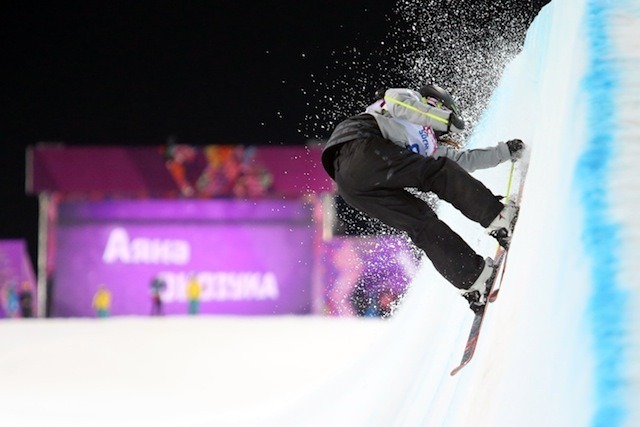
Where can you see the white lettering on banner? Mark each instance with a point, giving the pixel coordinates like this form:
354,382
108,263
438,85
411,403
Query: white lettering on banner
223,286
141,250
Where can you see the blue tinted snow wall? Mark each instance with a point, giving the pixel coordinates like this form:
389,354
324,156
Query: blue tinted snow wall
606,181
574,94
576,88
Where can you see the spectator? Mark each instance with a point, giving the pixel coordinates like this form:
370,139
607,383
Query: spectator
193,294
3,312
158,285
13,302
25,298
102,301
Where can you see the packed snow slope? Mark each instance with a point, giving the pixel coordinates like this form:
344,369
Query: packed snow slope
559,347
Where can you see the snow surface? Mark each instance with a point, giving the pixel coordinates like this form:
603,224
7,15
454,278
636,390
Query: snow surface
553,351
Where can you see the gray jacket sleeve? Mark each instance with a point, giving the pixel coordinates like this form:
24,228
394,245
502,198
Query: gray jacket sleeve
479,158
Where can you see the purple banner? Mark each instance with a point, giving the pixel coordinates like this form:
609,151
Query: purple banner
179,257
177,171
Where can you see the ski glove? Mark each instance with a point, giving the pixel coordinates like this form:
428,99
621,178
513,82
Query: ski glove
516,146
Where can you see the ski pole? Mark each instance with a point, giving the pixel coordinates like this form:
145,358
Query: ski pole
510,180
506,198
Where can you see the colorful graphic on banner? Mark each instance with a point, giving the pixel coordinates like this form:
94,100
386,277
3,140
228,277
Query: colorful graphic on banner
232,171
177,170
367,276
246,257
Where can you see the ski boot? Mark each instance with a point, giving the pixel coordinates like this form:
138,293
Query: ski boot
502,226
477,293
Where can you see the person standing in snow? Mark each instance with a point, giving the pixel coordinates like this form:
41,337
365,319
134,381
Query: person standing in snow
26,300
158,285
193,294
393,145
102,301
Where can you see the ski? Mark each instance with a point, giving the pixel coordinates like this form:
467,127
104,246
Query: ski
478,319
493,295
496,284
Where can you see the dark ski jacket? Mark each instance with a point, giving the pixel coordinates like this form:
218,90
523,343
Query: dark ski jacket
357,127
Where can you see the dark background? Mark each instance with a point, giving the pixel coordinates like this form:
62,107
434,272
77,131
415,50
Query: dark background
211,72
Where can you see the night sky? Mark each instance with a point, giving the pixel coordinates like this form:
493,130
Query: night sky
137,73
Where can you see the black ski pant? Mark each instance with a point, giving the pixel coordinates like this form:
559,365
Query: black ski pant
372,174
